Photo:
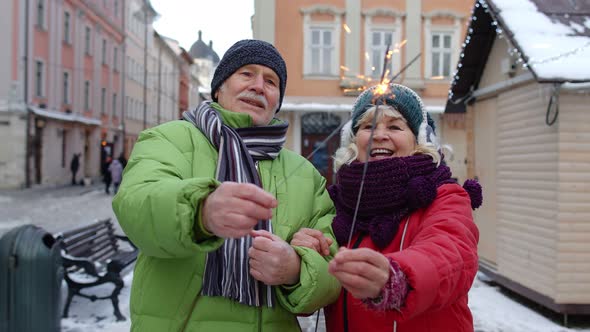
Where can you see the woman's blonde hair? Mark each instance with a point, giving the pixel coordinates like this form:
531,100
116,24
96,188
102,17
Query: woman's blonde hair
348,151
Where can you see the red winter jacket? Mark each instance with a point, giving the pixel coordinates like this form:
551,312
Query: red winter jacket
439,258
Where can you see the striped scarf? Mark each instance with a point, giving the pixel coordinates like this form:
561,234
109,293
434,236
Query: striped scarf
227,270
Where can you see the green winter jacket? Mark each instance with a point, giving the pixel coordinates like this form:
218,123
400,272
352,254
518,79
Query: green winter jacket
170,172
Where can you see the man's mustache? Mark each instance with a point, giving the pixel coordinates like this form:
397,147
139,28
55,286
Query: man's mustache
253,95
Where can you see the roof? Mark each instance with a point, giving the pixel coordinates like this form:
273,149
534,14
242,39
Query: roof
200,50
552,38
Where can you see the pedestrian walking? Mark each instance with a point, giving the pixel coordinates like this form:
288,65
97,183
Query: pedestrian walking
106,175
74,166
116,170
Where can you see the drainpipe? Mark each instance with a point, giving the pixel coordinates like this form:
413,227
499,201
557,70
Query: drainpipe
124,81
26,98
145,65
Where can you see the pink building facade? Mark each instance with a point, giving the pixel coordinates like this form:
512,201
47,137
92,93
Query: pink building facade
61,89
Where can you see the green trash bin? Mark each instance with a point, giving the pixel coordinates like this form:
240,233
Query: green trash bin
30,281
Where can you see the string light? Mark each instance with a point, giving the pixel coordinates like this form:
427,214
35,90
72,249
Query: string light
479,5
559,56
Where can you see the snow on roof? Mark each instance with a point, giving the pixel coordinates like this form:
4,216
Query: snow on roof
70,117
554,38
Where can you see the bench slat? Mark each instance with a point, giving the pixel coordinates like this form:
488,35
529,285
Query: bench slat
87,246
83,237
80,230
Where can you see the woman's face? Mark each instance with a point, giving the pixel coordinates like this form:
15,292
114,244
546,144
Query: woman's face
392,138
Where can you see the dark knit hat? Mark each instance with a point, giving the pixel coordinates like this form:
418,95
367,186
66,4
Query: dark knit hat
402,99
246,52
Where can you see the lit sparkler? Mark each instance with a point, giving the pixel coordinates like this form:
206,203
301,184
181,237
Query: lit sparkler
346,28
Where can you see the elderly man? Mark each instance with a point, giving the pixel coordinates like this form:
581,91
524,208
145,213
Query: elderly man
212,202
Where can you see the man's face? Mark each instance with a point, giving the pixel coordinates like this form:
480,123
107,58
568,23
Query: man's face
252,89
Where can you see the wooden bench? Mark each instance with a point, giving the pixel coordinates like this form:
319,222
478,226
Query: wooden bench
92,256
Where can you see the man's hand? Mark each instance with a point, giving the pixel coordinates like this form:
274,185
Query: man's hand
233,209
313,239
272,260
363,272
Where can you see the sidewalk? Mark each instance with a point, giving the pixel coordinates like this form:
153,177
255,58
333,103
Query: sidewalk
57,190
54,208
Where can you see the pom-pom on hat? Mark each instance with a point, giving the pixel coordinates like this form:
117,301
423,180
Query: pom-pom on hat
405,101
247,52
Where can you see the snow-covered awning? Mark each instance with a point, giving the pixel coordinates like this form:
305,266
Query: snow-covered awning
68,117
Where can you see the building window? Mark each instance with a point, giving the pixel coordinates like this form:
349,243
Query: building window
104,51
67,27
441,52
380,39
41,13
114,109
383,28
103,100
87,95
66,87
115,58
87,40
321,54
39,78
116,8
321,49
441,45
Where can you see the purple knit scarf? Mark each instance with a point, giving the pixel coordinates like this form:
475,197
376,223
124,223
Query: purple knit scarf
393,188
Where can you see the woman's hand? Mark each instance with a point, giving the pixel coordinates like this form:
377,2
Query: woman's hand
363,272
313,239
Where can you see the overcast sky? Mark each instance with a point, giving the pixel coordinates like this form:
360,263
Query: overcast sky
222,21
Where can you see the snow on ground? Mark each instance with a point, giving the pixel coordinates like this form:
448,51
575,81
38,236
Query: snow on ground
64,208
492,311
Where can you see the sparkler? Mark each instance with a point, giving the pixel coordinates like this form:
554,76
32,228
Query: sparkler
379,91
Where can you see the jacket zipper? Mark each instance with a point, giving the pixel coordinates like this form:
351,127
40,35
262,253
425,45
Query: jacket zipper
190,313
401,247
356,244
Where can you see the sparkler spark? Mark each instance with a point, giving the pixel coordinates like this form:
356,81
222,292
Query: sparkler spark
346,28
381,89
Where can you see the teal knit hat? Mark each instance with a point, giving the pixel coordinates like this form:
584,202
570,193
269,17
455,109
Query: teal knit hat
405,101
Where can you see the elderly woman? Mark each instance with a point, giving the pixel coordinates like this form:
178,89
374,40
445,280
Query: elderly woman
412,254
